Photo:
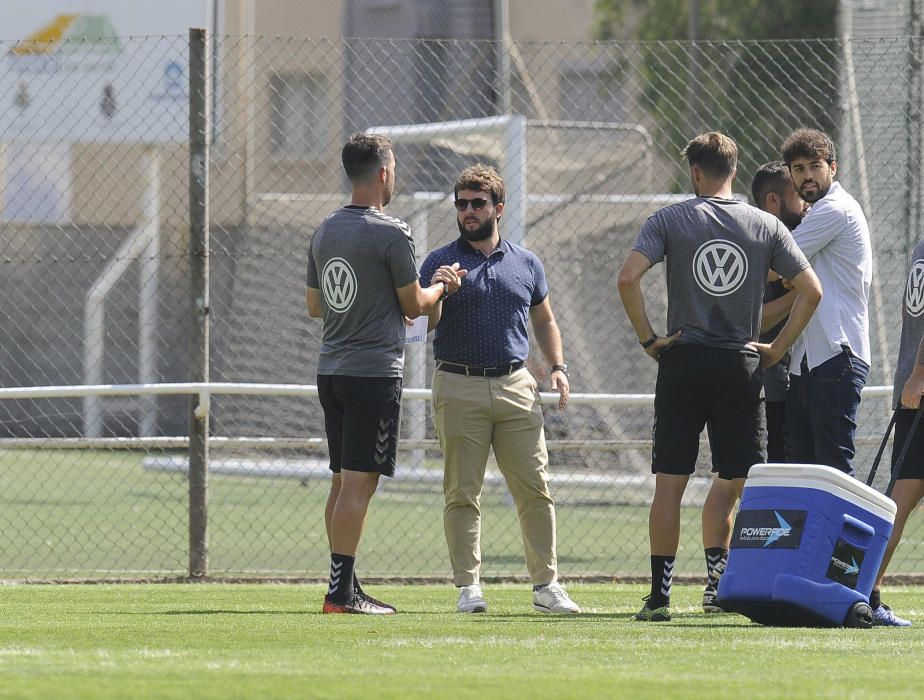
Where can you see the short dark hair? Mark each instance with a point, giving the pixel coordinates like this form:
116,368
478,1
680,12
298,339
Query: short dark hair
714,153
364,154
770,177
808,143
481,178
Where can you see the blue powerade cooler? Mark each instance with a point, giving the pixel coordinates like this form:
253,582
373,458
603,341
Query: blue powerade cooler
806,547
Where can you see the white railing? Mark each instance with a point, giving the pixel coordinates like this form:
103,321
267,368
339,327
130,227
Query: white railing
206,390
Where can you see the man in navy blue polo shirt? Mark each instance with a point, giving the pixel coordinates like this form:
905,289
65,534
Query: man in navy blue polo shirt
483,395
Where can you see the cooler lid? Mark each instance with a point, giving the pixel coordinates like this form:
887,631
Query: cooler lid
823,478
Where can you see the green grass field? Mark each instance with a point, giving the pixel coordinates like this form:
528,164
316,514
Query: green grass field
269,641
88,513
99,514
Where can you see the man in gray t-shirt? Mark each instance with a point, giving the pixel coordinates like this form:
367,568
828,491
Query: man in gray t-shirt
362,280
772,190
718,254
356,254
907,390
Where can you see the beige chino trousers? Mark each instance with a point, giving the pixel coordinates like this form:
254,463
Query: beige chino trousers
472,415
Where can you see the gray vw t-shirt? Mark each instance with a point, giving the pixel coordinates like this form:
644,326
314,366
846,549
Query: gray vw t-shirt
357,258
718,253
912,323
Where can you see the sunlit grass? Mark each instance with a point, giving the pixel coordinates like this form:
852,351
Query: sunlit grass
269,641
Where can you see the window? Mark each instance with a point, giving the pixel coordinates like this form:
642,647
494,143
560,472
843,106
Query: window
593,93
300,115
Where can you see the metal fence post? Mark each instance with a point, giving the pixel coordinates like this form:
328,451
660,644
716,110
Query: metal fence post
199,296
915,96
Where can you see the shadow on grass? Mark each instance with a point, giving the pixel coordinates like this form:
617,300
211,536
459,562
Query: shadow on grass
526,615
207,612
687,620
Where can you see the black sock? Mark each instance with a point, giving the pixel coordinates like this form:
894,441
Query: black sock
874,600
662,575
716,561
356,587
340,589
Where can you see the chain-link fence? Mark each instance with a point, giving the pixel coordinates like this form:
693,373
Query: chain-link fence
95,175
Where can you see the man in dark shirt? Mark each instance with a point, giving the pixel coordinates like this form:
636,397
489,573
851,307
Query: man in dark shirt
362,280
907,390
484,397
773,191
718,253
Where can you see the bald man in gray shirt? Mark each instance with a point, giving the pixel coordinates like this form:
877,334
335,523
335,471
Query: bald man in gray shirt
362,280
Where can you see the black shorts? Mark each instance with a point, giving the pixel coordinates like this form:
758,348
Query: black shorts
699,386
362,417
913,466
777,447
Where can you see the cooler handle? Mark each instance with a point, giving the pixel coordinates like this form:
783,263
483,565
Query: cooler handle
853,526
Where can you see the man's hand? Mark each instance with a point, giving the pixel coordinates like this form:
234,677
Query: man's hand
769,355
451,276
913,390
562,386
657,347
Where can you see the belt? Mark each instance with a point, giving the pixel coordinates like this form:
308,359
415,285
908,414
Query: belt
470,371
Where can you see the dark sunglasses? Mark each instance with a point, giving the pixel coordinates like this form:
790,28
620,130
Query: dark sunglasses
478,204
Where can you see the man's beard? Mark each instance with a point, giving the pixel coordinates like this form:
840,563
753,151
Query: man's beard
790,218
481,233
819,192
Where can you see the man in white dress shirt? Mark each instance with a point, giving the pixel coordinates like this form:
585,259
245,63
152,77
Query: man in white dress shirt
830,361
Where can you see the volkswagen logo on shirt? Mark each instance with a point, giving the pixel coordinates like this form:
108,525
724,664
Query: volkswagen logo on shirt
914,292
338,282
720,267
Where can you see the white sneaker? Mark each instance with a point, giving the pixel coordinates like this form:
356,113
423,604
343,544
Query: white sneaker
554,599
471,600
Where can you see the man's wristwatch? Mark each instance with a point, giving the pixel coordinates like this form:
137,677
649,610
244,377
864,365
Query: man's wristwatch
445,291
563,368
648,343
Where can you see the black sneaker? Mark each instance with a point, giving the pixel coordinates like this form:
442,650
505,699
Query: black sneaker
375,601
647,614
357,606
360,593
710,602
884,617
